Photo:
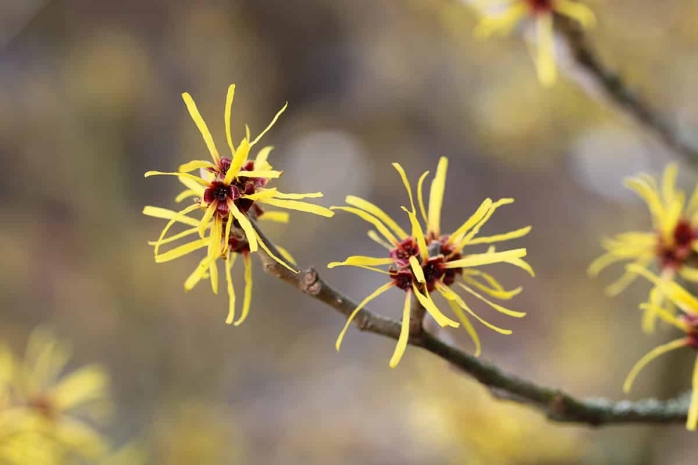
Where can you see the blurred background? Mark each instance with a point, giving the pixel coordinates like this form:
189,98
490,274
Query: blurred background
91,99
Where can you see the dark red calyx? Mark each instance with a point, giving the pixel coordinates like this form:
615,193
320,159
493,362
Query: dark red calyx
404,250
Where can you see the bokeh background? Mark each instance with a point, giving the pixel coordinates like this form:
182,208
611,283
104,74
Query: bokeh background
90,94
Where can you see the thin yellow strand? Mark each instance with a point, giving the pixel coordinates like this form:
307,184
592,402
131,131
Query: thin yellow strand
231,289
377,212
299,206
472,221
417,270
356,311
420,196
373,220
236,163
436,197
181,250
426,301
247,302
228,110
469,328
651,355
497,307
406,182
692,421
404,333
201,124
246,226
273,121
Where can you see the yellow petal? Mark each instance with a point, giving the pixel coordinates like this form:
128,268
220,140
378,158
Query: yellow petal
681,297
404,333
665,315
373,220
497,307
228,109
485,258
165,214
85,385
276,259
277,217
248,290
214,250
465,240
196,165
356,311
651,355
286,255
650,196
472,221
262,157
236,163
692,421
196,186
501,24
191,177
577,11
689,274
226,236
452,296
246,226
436,197
181,250
201,269
545,61
268,174
273,121
418,234
420,196
501,237
310,195
179,216
377,239
495,291
429,305
361,260
263,194
299,206
467,325
206,219
185,195
231,289
377,212
417,270
406,182
201,124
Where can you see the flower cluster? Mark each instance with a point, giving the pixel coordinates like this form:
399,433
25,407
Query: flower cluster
671,249
46,415
509,13
425,260
231,193
670,246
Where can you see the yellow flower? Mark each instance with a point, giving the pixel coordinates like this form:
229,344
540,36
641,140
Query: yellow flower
687,322
671,245
543,12
47,409
421,262
230,191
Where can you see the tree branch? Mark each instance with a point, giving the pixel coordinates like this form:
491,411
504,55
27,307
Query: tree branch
587,69
554,403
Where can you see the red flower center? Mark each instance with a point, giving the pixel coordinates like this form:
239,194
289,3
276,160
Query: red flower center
239,186
540,6
674,255
432,268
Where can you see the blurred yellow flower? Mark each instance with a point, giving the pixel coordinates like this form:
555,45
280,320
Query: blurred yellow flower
508,13
47,410
671,245
421,262
229,191
477,429
687,322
